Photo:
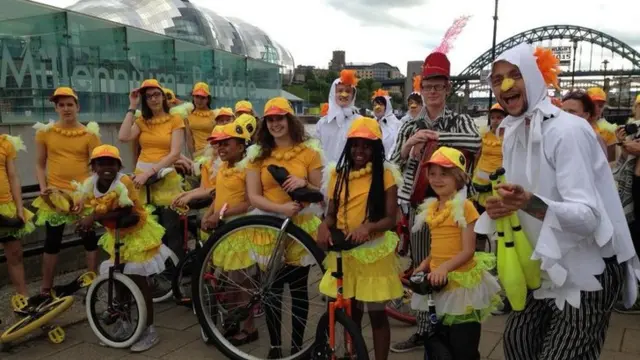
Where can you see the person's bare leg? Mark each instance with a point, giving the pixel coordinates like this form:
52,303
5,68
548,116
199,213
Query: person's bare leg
13,252
92,260
381,334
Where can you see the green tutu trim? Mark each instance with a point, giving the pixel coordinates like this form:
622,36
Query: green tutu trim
139,245
233,252
9,210
370,254
470,279
474,316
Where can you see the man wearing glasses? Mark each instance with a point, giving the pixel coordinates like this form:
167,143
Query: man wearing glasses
435,123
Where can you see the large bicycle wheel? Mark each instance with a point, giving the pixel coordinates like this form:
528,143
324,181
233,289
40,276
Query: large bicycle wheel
347,329
118,322
212,289
161,284
181,283
36,319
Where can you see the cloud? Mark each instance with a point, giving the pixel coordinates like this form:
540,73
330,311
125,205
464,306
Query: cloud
377,13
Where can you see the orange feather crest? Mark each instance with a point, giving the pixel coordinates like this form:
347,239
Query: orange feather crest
549,66
324,109
417,83
557,102
380,92
348,77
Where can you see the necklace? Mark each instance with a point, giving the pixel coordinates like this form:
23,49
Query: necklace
288,154
490,139
435,217
103,203
203,113
158,120
361,173
70,132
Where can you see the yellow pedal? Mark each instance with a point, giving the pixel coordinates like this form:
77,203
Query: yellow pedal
87,278
56,335
19,302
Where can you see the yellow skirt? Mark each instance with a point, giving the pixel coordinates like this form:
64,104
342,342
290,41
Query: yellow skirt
234,251
9,210
371,271
164,191
264,241
141,242
53,217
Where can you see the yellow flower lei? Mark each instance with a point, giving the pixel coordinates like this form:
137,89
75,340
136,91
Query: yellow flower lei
104,203
435,217
491,141
288,154
361,173
158,120
203,113
70,132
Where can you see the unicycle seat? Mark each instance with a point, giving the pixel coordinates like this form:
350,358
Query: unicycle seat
419,284
127,221
200,203
10,223
303,195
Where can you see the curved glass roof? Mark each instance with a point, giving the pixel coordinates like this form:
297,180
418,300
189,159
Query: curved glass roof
183,20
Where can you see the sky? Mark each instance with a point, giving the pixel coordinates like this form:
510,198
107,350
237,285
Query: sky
397,31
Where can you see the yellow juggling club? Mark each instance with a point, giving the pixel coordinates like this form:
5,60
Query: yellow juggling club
499,229
531,268
512,276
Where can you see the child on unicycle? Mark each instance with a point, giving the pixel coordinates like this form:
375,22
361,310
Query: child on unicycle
15,220
471,292
112,195
362,205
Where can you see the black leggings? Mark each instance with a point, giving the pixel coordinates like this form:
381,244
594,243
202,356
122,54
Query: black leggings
463,340
296,277
53,239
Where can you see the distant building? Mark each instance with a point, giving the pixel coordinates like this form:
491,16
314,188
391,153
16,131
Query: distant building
338,60
377,71
302,70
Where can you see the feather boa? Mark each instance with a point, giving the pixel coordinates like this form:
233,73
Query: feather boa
17,142
457,211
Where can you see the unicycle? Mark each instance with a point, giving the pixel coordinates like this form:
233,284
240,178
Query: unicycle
120,322
436,345
37,312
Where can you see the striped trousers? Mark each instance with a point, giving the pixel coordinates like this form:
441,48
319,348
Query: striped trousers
419,251
543,332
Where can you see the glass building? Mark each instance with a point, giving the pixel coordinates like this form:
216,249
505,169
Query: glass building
105,48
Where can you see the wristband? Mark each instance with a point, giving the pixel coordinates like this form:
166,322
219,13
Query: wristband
133,111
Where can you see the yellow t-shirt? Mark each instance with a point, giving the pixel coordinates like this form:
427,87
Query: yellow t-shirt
112,204
300,164
155,136
230,186
606,135
7,153
351,216
207,177
201,124
68,154
446,237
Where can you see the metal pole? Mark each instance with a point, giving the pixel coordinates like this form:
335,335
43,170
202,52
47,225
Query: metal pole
573,72
493,53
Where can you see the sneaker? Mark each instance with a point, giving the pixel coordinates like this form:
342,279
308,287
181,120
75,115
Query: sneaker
122,330
148,340
415,341
621,309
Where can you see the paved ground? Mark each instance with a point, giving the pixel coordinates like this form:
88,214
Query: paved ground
180,338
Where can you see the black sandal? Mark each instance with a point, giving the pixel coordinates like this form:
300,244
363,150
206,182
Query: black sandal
248,338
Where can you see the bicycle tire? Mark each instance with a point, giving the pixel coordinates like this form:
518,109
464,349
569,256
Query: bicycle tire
31,323
265,221
169,293
188,260
350,326
140,304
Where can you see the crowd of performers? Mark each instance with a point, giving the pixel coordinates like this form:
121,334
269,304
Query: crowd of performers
433,166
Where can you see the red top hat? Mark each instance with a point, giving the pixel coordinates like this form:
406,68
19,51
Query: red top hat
436,64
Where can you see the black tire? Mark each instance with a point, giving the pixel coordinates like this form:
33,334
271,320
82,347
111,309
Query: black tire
321,345
265,221
187,263
437,349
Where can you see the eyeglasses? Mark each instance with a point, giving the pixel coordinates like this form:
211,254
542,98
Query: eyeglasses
153,95
437,87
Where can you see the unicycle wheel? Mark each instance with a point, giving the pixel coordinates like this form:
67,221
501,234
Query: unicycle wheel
56,335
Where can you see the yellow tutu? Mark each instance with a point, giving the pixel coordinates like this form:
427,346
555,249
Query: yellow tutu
263,243
9,210
46,214
141,242
164,191
371,271
233,252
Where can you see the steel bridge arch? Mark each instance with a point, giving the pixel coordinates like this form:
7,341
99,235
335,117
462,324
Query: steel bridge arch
572,32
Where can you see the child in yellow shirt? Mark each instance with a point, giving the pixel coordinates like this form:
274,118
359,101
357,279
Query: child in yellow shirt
362,205
63,149
11,208
112,195
471,292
